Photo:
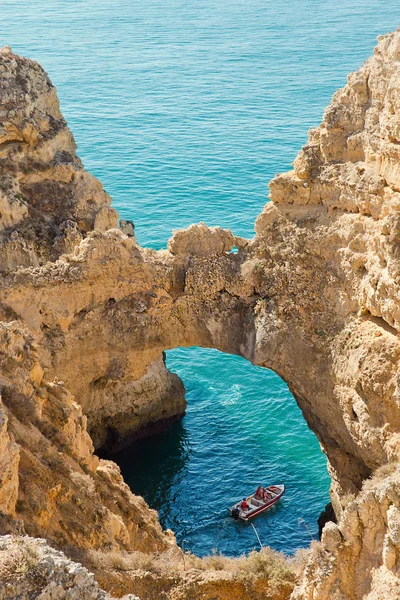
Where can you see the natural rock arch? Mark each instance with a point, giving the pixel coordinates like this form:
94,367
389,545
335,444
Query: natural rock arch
297,299
237,303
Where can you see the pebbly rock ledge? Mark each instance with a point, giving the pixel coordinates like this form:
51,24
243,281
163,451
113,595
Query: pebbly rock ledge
86,314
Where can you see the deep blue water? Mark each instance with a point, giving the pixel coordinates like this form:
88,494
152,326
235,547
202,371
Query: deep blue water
185,110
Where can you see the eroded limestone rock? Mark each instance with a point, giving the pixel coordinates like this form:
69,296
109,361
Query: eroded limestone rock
359,557
43,185
200,240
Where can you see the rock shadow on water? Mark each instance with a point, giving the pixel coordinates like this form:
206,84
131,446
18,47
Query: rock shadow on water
165,456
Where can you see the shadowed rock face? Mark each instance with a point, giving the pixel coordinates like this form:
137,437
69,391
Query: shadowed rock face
314,296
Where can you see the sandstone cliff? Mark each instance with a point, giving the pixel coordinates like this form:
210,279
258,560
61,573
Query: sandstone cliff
359,557
314,296
47,200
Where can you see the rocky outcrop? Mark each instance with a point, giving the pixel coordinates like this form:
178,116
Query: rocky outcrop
48,204
359,557
314,296
51,483
344,192
200,240
47,200
29,568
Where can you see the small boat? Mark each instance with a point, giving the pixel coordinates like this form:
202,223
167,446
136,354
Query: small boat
257,503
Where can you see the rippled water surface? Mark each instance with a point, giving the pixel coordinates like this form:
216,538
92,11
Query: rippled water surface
185,110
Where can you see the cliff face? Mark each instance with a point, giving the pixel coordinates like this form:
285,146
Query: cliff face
314,296
47,200
48,204
52,484
359,557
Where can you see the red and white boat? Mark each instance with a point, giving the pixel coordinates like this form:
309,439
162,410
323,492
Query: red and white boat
257,503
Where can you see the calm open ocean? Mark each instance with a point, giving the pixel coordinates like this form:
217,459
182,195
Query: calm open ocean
185,110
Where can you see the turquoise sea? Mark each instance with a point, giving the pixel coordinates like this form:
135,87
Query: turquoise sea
185,110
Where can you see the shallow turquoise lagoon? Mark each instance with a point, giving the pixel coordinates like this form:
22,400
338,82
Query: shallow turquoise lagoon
185,110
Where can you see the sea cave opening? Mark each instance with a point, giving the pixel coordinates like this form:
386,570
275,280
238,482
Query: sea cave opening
242,428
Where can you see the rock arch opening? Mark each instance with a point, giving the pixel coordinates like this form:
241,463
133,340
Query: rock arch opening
242,427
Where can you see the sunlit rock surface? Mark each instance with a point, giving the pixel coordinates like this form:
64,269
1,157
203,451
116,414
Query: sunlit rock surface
359,558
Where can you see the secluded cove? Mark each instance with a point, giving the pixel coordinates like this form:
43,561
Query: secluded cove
242,428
